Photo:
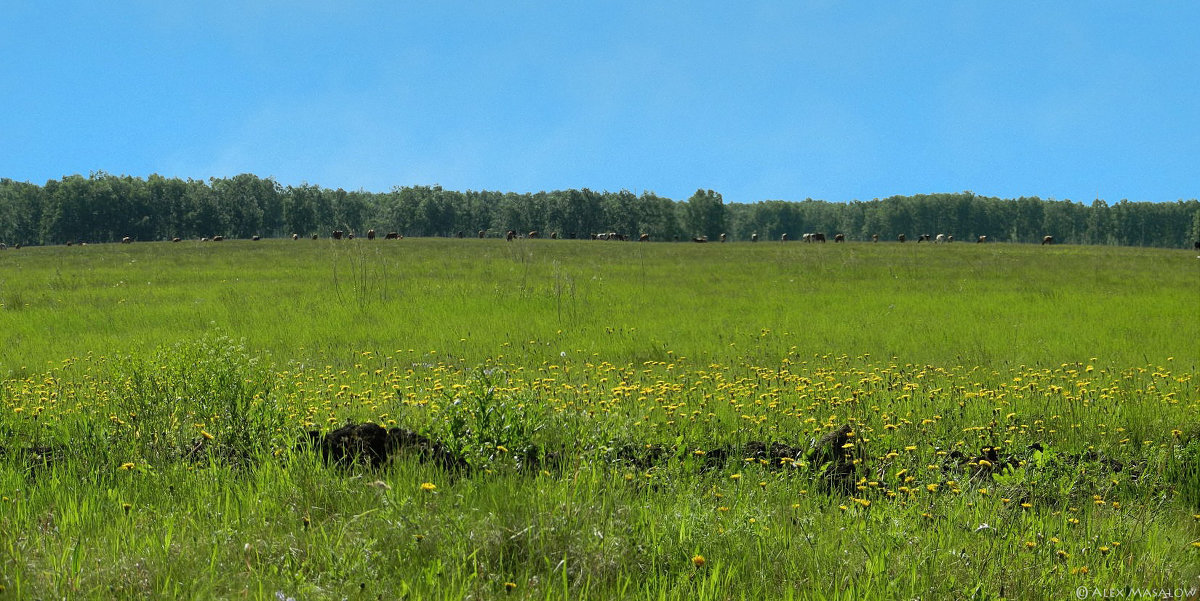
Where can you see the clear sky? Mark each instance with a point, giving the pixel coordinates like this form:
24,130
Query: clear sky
757,100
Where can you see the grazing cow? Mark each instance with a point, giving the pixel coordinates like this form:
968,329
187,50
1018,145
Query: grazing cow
533,234
754,237
554,235
255,237
1047,240
337,234
3,246
371,235
175,239
981,240
806,237
701,239
350,236
218,238
460,234
818,237
126,240
839,238
1197,245
783,238
923,238
941,238
949,239
314,236
874,237
901,238
295,236
391,236
723,238
482,233
510,235
644,238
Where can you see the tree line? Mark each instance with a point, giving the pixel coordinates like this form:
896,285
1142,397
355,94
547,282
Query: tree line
106,208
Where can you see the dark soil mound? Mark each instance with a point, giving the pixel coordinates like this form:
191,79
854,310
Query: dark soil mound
374,444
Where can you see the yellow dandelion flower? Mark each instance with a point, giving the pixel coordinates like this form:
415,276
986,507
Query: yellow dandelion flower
128,466
510,586
428,487
698,561
735,477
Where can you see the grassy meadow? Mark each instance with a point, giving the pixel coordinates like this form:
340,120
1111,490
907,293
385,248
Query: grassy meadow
638,420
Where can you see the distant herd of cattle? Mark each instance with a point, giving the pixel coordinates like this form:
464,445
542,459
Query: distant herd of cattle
511,235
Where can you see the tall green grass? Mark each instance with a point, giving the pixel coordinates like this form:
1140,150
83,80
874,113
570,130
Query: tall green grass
154,396
990,305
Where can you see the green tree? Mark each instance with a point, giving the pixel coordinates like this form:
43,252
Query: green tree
704,214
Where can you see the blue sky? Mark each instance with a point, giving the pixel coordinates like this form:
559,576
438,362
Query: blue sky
757,100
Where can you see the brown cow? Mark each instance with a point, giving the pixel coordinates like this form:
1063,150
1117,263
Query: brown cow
1047,240
510,235
533,234
370,234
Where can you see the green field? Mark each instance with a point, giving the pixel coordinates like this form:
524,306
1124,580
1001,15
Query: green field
635,420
